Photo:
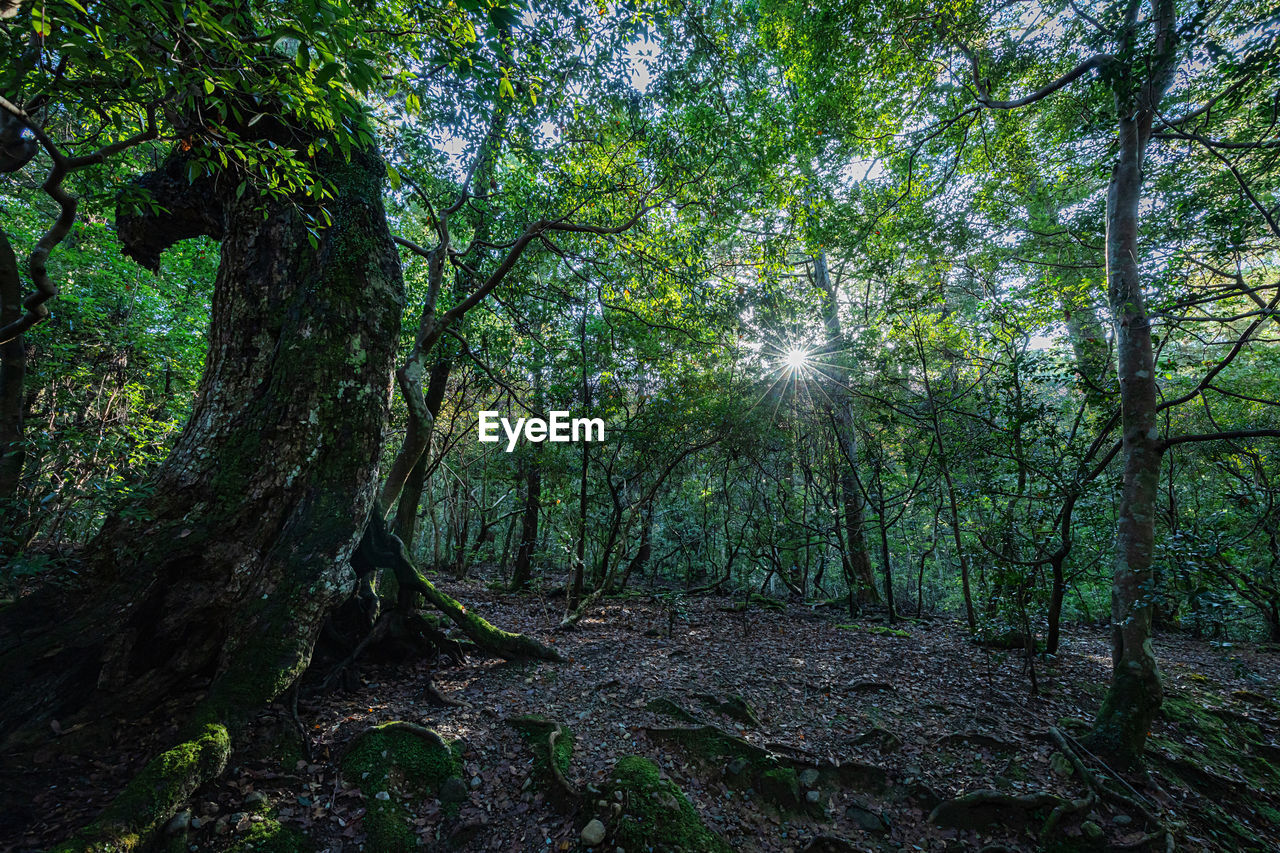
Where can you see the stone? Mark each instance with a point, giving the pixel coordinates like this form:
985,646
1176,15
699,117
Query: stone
809,777
1060,764
1122,820
736,767
241,821
255,801
382,795
179,823
593,833
1092,831
812,797
869,820
454,790
475,782
196,823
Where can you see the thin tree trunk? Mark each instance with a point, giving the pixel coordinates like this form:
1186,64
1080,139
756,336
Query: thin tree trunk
1136,692
411,495
857,556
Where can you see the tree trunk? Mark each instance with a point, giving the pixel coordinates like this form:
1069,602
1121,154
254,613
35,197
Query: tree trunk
411,494
13,369
522,573
1135,694
224,573
857,558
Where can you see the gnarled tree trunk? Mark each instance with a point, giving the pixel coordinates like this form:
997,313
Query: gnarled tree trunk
222,574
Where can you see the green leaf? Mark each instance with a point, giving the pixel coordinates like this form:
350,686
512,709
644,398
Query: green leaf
209,86
505,89
40,22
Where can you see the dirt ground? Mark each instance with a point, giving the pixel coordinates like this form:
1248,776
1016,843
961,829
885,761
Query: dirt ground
939,714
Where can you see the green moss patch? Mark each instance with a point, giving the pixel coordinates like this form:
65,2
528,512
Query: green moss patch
656,815
552,747
1223,755
391,762
271,836
878,630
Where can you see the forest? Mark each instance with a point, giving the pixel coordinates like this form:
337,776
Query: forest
639,425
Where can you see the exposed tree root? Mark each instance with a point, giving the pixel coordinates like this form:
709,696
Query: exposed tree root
552,744
1160,837
977,809
570,621
155,794
504,644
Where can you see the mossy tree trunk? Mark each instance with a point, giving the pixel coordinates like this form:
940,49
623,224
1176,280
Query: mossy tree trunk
1135,694
13,369
221,574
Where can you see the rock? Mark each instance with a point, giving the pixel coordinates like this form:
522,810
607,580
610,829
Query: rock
382,795
454,790
869,820
736,767
241,821
1122,820
1092,831
210,808
1060,764
255,801
196,823
812,797
222,827
809,777
593,833
475,782
179,823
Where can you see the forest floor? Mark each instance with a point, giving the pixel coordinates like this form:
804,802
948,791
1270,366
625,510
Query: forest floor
939,714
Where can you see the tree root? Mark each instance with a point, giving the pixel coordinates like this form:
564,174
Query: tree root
977,809
504,644
571,620
153,796
551,744
1071,747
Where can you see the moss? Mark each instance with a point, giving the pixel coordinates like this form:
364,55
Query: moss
656,815
766,602
879,630
536,732
502,643
780,785
1207,750
271,836
671,708
155,794
396,759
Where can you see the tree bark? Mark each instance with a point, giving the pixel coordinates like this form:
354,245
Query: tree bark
224,573
411,494
1136,693
857,558
13,370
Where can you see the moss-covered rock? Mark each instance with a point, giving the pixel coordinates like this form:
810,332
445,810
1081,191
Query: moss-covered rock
656,815
388,763
271,836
